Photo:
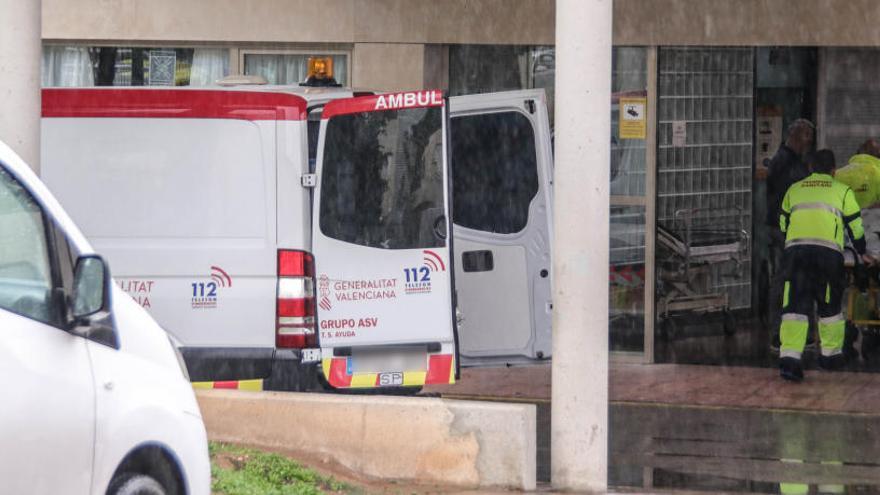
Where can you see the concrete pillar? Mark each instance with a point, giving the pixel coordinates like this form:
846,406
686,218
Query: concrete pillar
580,260
20,56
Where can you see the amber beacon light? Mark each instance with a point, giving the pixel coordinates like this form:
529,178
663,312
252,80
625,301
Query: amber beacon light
320,72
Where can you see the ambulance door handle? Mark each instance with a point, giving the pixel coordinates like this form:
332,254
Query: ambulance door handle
440,227
477,261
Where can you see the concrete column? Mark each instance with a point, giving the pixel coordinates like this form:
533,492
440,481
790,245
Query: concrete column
20,56
580,259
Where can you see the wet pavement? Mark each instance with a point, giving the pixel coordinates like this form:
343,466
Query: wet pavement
717,429
661,447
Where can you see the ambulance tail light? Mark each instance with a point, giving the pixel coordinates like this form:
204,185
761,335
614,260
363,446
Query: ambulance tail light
295,310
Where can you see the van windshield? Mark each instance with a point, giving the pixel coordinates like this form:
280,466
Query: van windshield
382,179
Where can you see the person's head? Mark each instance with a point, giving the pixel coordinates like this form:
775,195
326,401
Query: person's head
870,147
800,136
822,162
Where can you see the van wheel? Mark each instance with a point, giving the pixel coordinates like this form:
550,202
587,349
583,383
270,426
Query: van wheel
135,484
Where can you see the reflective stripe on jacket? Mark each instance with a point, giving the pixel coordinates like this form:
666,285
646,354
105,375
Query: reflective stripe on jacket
816,211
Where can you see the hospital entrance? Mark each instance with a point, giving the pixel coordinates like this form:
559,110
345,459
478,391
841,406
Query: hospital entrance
691,128
711,259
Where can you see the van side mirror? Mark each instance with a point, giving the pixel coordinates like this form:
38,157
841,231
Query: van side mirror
89,291
90,303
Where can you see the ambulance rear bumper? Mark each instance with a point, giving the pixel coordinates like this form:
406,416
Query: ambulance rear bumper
228,363
280,369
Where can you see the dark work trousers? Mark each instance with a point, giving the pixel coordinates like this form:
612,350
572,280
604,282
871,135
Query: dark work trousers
815,276
777,281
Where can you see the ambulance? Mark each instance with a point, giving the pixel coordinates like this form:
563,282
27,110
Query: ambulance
295,233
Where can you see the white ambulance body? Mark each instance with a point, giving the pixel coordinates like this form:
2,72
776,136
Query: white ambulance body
221,214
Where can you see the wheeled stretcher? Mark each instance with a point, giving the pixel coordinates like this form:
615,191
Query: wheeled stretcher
687,254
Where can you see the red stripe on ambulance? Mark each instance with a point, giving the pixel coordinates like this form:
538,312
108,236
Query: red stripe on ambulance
439,369
378,103
233,385
172,104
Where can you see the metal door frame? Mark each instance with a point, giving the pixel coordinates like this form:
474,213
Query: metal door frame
649,202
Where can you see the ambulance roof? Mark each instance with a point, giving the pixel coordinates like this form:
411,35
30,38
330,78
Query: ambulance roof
247,102
313,95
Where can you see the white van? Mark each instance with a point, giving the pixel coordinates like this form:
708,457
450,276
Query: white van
271,227
96,398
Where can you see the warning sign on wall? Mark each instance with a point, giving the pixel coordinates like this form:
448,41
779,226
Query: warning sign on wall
679,133
633,124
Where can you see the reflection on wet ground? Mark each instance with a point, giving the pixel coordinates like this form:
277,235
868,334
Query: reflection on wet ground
735,450
715,428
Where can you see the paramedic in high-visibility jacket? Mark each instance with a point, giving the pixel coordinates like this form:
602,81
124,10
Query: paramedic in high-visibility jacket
815,213
862,174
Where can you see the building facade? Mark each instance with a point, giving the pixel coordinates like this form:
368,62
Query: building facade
717,81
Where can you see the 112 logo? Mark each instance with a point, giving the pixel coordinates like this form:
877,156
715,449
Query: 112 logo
204,294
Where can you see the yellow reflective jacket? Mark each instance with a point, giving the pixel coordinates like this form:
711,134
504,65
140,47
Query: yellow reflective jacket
862,174
816,211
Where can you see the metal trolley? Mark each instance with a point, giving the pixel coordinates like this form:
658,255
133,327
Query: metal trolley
686,257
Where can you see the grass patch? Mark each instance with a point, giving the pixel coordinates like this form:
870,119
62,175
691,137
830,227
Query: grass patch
242,471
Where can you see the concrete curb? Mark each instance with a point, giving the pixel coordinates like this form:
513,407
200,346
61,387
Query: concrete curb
417,439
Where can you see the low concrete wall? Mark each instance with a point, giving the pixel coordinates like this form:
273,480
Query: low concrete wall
424,440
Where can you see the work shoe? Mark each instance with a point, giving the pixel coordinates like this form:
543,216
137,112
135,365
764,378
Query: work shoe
832,363
790,369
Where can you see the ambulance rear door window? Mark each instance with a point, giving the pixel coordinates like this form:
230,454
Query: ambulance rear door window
494,171
382,179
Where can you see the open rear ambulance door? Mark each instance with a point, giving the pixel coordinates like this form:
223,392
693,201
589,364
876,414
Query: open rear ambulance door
381,242
501,161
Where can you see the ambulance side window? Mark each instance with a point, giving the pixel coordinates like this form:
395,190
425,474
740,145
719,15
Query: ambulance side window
494,171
